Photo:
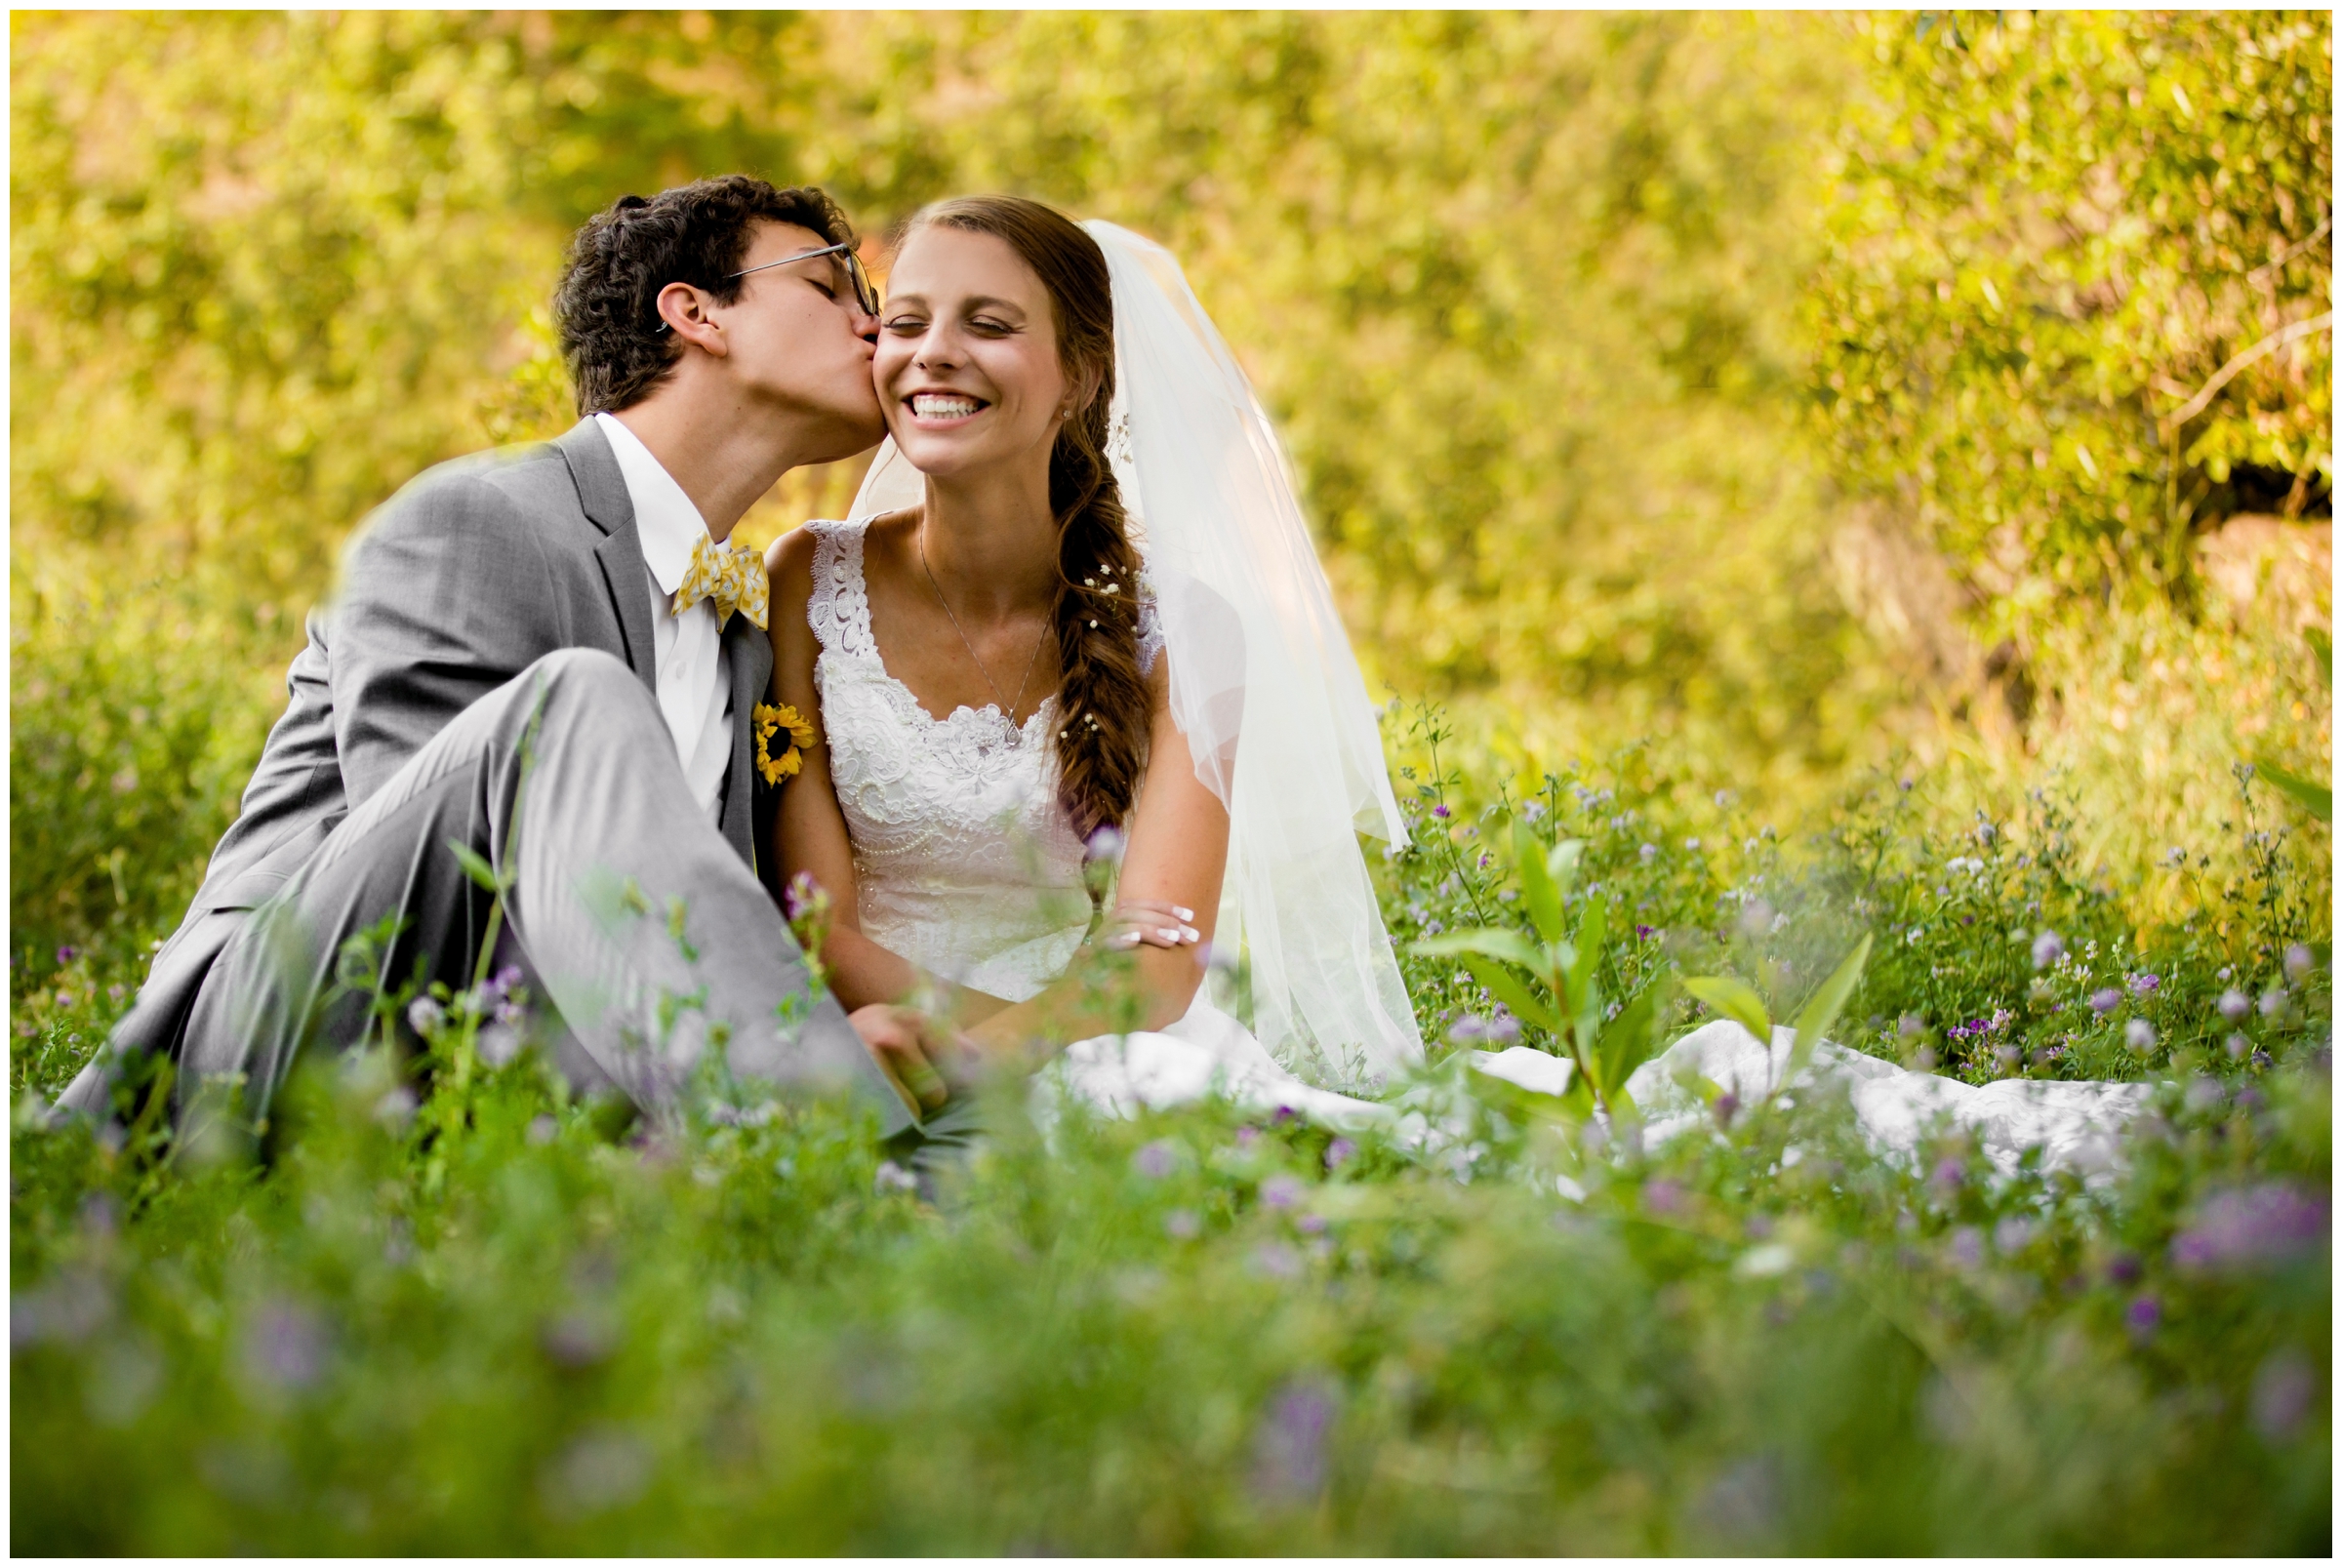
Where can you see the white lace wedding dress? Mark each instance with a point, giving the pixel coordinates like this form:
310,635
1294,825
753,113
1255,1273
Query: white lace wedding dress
964,865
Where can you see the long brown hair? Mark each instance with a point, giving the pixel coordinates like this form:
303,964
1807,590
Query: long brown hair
1101,700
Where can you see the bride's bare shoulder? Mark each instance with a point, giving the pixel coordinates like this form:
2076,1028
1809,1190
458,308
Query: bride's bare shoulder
789,564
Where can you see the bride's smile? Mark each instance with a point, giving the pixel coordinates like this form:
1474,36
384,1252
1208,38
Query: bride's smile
967,365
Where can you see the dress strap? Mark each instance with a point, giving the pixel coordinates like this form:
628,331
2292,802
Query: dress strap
840,607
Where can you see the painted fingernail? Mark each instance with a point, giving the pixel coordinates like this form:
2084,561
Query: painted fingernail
1184,914
1190,933
1129,939
1168,935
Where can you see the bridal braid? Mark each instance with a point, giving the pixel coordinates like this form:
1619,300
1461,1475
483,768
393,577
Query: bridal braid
1102,698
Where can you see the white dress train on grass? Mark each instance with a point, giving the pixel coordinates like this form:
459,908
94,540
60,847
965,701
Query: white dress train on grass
2076,1126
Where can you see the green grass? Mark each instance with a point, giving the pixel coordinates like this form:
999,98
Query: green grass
504,1321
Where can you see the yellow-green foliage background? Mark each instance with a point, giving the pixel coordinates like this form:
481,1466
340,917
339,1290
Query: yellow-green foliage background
1785,390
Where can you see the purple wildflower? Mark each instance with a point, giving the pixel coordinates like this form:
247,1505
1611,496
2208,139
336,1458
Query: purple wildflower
799,895
2047,949
1338,1153
2281,1394
285,1345
2299,962
1156,1160
1182,1224
2242,1228
2105,999
2234,1004
68,953
1281,1192
2143,984
1276,1261
2144,1316
2273,1001
1289,1461
1440,812
1643,933
1662,1197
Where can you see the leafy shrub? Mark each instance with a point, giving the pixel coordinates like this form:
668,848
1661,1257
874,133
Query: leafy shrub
132,731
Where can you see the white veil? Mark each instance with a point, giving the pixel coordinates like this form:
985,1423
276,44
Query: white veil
1255,645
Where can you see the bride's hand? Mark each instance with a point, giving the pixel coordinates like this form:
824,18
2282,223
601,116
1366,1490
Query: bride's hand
924,1055
1148,921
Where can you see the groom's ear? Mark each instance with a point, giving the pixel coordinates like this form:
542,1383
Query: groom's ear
686,312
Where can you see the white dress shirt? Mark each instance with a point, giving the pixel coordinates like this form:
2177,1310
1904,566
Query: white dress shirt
693,674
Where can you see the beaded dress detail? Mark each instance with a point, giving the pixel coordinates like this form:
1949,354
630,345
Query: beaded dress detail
963,862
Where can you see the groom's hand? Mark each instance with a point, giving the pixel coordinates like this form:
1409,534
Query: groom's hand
921,1052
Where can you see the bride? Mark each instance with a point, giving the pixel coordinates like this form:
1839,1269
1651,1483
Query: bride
1074,591
1073,639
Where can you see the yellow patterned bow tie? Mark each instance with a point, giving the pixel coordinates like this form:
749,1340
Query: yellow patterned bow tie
728,578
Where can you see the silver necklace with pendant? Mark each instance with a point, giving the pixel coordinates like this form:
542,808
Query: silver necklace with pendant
1008,709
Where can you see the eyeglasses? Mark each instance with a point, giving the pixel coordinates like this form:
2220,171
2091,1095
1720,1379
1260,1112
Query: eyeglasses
864,294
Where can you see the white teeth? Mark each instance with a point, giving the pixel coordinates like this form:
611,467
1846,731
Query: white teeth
930,406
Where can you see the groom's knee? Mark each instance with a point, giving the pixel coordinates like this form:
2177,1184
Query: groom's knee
588,683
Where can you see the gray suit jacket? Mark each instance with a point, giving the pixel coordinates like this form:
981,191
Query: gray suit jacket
472,572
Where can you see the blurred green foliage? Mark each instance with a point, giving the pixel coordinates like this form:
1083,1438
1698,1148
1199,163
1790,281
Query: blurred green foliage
2053,230
488,1318
1595,339
496,1324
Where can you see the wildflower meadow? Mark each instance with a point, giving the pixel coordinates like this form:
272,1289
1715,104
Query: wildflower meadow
1837,510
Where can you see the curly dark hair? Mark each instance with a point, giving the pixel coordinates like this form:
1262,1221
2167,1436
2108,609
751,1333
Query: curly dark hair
606,305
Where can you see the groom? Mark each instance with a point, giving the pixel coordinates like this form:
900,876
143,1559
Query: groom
550,655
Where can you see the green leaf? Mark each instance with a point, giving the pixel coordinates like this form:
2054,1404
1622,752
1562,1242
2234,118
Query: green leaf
1561,863
2310,795
1593,928
476,865
1630,1039
1822,1007
1509,989
1489,942
1735,1001
2323,647
1537,888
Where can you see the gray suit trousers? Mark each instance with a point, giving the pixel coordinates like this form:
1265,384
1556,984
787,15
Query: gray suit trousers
626,908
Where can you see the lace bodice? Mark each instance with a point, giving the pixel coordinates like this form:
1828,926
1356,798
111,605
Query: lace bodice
963,861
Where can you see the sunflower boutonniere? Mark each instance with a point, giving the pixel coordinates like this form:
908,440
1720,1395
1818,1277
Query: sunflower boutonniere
771,719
